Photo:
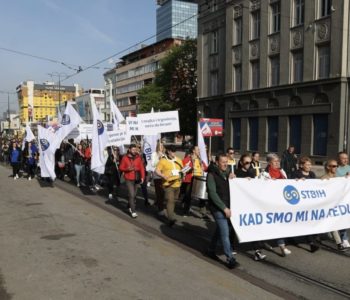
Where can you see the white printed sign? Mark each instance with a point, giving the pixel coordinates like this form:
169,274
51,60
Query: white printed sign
271,209
118,138
132,126
160,122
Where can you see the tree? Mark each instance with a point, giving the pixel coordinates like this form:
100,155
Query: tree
175,86
151,96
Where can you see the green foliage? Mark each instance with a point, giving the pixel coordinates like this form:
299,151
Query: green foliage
151,96
175,86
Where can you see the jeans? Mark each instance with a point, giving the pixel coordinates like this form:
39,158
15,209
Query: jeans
79,169
222,231
132,191
340,236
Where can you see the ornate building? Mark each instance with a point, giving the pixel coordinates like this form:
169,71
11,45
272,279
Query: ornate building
277,72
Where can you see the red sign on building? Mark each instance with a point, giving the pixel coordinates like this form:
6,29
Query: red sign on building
211,127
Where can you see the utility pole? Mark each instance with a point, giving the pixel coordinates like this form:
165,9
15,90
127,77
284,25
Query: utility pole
57,74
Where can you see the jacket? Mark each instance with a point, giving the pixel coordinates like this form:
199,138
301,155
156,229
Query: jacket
218,188
189,162
127,162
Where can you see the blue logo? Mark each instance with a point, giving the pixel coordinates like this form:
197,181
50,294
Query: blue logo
44,144
291,194
65,119
100,127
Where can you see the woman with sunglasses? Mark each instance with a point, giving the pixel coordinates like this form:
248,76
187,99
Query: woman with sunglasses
331,172
245,170
274,171
304,172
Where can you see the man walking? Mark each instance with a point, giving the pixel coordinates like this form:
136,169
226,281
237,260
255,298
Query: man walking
134,174
219,199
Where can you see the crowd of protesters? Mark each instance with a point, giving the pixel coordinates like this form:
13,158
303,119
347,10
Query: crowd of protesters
173,180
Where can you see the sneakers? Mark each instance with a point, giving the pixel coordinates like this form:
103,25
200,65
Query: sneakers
232,263
15,177
29,178
132,213
78,185
161,213
346,244
110,197
258,256
285,251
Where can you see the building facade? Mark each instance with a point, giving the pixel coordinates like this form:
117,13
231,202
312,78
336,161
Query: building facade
84,102
171,12
277,72
135,70
38,102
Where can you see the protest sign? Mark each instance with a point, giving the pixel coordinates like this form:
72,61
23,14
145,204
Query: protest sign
118,138
159,122
271,209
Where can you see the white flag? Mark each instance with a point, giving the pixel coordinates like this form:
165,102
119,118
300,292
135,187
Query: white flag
47,158
117,117
99,142
201,146
149,147
28,136
70,120
59,116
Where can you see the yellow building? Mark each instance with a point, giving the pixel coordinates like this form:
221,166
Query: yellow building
38,102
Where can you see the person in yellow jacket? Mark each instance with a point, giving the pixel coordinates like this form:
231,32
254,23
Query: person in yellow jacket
169,169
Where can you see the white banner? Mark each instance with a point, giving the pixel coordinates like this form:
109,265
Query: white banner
159,122
118,138
270,209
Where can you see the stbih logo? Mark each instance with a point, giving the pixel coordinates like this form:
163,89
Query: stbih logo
100,127
44,144
65,119
291,194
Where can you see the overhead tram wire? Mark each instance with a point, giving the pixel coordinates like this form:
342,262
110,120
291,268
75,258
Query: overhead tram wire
136,44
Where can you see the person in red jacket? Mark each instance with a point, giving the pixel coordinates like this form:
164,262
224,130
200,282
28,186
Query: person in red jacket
134,174
197,168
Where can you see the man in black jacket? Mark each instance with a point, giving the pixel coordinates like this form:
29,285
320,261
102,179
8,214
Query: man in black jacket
289,161
219,199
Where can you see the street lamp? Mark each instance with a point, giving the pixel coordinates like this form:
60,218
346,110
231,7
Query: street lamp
58,74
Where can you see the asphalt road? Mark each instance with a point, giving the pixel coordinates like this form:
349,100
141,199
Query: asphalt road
55,245
65,243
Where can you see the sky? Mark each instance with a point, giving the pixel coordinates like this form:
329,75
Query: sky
74,32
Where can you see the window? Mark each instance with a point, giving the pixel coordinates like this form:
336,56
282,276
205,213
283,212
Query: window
275,17
274,70
236,124
214,42
255,25
298,63
323,61
272,134
253,133
298,12
214,83
320,134
325,7
255,74
238,31
295,132
238,78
